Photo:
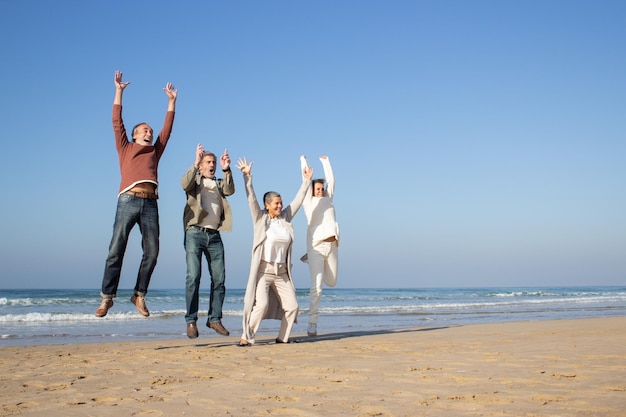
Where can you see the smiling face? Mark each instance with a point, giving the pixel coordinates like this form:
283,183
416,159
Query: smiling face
207,165
142,134
274,206
318,188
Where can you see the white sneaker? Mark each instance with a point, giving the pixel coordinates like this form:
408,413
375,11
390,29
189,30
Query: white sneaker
312,330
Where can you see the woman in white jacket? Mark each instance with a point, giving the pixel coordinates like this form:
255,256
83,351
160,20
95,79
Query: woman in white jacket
322,238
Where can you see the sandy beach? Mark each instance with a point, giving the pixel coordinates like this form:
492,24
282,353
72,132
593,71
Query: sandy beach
540,368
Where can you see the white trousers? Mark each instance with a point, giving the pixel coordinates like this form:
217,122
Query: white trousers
323,263
287,296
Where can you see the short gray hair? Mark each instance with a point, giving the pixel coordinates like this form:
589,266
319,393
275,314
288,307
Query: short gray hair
132,134
269,196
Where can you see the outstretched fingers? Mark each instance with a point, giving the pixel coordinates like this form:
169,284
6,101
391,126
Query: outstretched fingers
119,83
244,166
170,90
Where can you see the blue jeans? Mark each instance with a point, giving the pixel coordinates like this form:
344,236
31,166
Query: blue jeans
132,210
197,243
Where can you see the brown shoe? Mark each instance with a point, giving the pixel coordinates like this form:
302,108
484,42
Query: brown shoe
192,330
217,326
105,305
140,302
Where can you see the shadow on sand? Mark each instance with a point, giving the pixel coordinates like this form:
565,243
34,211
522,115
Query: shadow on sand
307,339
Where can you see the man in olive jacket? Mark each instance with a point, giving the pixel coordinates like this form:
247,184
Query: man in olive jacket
207,213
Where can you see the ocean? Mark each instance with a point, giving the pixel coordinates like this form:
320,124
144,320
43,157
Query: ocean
41,317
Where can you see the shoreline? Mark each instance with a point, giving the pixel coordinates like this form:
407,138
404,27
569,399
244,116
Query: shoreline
528,368
66,316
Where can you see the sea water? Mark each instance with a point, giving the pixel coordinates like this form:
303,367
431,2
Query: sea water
35,317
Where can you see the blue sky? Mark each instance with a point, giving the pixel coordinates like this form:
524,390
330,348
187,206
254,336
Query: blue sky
474,143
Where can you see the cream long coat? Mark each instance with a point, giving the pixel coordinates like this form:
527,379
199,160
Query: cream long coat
261,220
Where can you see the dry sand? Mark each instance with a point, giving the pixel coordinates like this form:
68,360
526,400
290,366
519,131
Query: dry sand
544,368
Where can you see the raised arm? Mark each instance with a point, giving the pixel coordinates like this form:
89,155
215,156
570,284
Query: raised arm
305,189
225,161
303,164
253,203
188,181
168,123
328,174
228,185
199,155
172,93
119,87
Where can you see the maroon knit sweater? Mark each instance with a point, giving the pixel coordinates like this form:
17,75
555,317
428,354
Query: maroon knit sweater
139,163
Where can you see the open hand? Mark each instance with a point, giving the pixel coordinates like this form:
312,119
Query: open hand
119,84
170,91
244,166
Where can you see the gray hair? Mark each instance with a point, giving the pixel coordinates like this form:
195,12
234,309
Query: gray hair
209,154
269,196
136,126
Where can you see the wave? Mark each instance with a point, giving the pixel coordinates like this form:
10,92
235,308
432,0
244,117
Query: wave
331,307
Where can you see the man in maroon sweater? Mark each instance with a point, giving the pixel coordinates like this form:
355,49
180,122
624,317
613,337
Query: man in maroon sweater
137,199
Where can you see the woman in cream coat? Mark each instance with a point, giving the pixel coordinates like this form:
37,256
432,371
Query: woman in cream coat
270,292
322,238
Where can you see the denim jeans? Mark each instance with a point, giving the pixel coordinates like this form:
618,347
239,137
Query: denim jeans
197,243
132,210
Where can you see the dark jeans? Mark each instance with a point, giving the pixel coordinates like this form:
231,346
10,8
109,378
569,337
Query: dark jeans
197,243
132,210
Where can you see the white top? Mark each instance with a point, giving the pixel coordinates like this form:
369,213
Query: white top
211,203
320,211
277,242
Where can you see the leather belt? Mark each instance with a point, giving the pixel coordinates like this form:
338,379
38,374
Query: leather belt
143,194
206,230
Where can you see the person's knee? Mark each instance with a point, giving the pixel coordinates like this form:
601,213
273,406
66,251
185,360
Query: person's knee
218,280
151,257
290,308
192,282
291,314
330,281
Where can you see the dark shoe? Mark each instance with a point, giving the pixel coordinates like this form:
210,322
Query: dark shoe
289,341
192,330
105,305
217,326
140,302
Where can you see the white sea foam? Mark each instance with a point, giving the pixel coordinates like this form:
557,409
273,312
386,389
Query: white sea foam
67,316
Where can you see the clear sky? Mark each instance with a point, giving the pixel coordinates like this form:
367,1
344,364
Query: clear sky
474,143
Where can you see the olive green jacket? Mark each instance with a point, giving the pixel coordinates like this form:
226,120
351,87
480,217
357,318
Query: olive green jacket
194,213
